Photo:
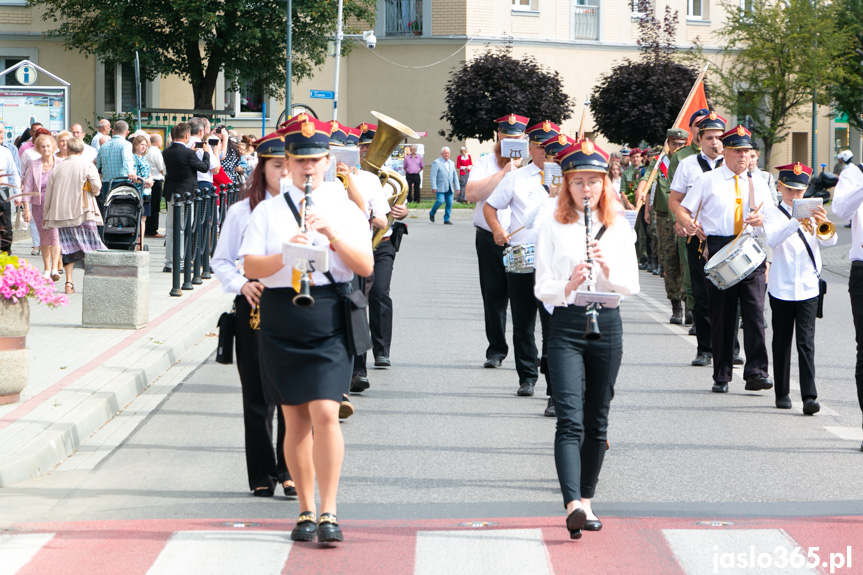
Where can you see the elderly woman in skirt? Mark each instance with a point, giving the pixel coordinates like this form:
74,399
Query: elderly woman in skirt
70,207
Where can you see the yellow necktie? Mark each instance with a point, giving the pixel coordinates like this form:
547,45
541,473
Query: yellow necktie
738,208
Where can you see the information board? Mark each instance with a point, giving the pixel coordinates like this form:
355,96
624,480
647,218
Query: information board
21,106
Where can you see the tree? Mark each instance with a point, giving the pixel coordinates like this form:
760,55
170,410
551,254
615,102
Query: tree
776,54
640,100
495,84
847,96
197,39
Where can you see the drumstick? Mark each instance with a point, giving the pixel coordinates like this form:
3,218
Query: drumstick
698,211
516,231
755,211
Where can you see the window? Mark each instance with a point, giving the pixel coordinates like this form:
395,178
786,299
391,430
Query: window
746,5
525,5
637,7
404,17
9,79
247,99
119,86
13,2
585,20
694,10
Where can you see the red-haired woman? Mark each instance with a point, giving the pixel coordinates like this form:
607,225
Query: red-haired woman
264,467
583,370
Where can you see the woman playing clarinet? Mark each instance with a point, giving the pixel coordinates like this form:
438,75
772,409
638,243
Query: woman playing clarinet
583,357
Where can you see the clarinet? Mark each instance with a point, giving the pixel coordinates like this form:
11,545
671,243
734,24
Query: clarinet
591,331
304,297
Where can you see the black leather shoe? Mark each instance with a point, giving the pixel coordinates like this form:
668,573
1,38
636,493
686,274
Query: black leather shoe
525,389
382,361
783,402
359,384
593,525
492,362
264,492
687,317
737,360
575,522
290,490
305,529
550,410
811,407
328,529
692,330
758,383
431,217
702,359
719,387
447,223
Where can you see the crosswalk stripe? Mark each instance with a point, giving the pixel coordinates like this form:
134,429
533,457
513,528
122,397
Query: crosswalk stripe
849,433
736,551
17,550
502,552
223,553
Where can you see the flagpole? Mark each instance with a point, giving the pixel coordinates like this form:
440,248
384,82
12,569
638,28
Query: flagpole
677,121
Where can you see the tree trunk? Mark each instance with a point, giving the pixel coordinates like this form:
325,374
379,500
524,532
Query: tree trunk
768,148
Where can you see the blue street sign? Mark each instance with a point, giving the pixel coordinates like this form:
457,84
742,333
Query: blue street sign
323,94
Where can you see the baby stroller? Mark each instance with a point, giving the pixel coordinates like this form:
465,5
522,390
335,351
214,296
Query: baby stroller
123,210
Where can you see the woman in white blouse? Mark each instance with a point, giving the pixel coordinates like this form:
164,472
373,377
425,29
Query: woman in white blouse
305,363
264,466
583,371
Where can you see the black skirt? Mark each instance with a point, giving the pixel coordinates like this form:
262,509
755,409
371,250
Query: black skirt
304,351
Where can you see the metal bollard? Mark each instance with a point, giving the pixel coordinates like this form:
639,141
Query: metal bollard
223,205
187,241
209,194
177,243
198,236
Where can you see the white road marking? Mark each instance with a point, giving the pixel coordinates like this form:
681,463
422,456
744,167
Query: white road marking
17,550
849,433
224,553
498,551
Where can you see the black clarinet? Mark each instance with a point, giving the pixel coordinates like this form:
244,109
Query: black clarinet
591,331
304,297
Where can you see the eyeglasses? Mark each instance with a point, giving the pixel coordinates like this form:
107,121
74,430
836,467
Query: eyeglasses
580,183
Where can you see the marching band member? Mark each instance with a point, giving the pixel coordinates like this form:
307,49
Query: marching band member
583,371
484,178
847,204
305,363
520,191
536,214
264,468
730,198
794,286
380,303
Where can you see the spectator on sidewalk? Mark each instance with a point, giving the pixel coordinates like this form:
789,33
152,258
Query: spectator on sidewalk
182,166
157,172
103,128
73,218
464,163
200,128
8,167
62,138
443,182
28,138
413,166
34,184
115,161
140,145
89,152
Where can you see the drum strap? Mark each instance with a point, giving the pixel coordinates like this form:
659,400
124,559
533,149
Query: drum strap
805,243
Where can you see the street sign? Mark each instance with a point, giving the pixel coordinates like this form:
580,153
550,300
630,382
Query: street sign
26,75
323,94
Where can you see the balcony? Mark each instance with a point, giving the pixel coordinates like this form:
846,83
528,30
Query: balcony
585,21
403,17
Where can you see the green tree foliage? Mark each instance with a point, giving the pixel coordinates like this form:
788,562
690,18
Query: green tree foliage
847,96
495,84
197,39
639,100
775,55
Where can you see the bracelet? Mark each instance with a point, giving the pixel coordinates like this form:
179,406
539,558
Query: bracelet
333,241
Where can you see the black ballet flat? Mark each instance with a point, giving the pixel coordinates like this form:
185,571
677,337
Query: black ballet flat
593,525
264,492
290,490
328,529
575,522
305,529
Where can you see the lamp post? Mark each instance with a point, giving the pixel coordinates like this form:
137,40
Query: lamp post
288,59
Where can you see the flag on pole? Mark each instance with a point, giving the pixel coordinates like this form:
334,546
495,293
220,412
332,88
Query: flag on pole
698,101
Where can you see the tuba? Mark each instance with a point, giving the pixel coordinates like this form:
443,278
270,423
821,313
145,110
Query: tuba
387,138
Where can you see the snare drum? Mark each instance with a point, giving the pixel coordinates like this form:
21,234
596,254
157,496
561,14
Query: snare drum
735,261
519,259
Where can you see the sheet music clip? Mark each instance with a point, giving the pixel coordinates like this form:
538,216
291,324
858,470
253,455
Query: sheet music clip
608,300
306,257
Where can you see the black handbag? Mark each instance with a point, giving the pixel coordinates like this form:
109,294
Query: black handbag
225,351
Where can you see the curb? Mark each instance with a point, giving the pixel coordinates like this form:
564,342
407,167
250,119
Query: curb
47,448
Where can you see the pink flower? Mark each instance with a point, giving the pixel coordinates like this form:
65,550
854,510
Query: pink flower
21,280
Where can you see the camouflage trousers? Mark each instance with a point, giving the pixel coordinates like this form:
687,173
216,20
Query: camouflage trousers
671,256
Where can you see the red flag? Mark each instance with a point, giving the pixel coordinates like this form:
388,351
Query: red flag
663,166
699,100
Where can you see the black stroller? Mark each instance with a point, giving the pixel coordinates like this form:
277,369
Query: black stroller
123,211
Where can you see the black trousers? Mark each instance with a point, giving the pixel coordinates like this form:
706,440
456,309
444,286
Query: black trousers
152,226
855,288
584,373
6,231
264,467
524,307
749,293
545,326
700,317
788,317
495,293
413,181
380,303
365,286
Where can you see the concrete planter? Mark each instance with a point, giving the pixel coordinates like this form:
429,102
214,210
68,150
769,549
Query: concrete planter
14,357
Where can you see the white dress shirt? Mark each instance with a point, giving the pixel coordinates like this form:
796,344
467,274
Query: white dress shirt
847,199
520,191
7,166
689,170
714,192
157,163
273,224
792,273
227,252
537,214
560,247
214,160
484,167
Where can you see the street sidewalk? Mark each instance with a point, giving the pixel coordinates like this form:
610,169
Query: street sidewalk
81,378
